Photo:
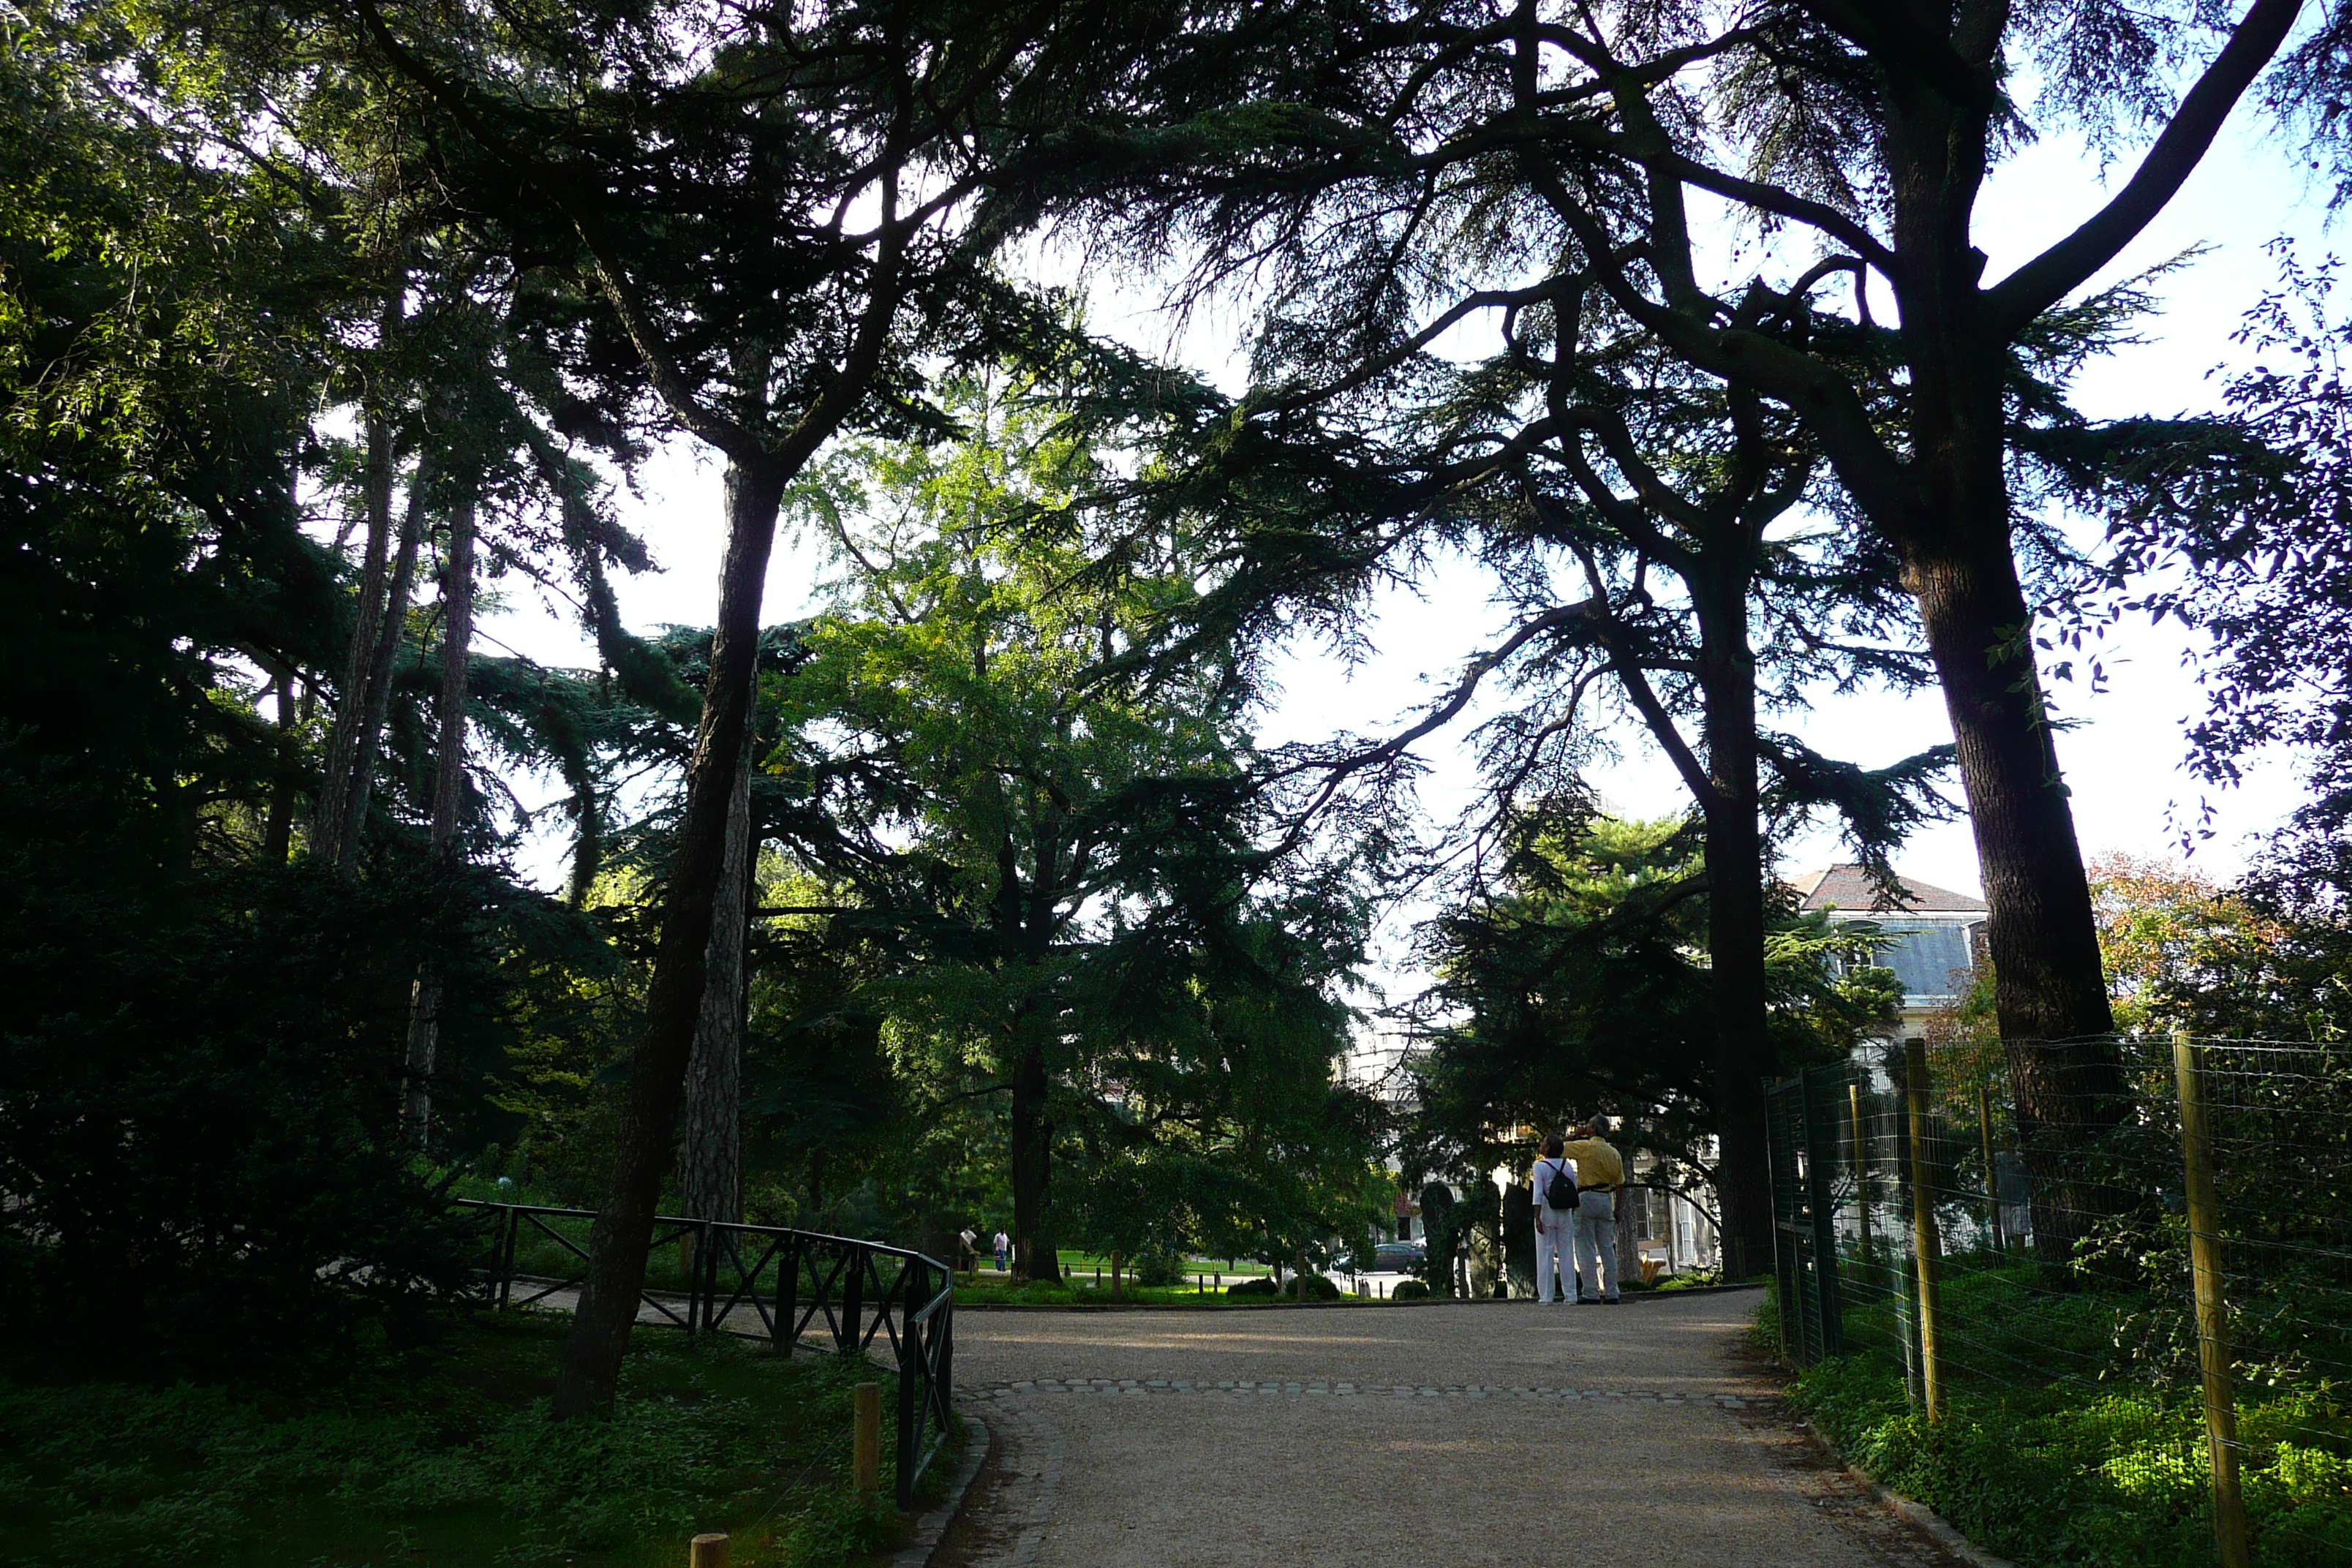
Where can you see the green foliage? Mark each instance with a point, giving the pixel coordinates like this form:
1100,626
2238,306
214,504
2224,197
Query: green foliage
1262,1288
1409,1291
1576,980
447,1460
2066,1443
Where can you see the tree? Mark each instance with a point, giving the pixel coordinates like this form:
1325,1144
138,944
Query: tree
709,196
1848,142
1569,985
1064,847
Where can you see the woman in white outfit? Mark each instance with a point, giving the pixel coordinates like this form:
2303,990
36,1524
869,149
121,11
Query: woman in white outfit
1555,1228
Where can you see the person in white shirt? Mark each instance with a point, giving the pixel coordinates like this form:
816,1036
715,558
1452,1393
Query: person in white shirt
1555,1228
1004,1245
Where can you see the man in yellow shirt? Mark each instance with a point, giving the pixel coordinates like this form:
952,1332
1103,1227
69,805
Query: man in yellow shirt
1599,1173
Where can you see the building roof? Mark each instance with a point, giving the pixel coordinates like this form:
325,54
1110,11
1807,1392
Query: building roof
1849,887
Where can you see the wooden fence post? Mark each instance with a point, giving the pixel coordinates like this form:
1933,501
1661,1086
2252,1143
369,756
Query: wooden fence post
866,1455
707,1552
1861,1171
1992,1176
1925,1246
2229,1531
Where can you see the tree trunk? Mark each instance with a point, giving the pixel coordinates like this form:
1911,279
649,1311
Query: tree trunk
448,800
1735,921
277,829
351,700
1033,1166
713,1174
647,1135
377,702
2042,934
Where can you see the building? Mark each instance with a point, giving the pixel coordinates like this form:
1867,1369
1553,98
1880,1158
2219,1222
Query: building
1938,934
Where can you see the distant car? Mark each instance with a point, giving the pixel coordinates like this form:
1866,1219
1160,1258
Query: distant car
1388,1257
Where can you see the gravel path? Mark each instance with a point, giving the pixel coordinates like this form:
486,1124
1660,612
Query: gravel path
1444,1435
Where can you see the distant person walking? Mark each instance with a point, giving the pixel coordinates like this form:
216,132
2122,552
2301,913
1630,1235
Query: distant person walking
1004,1245
1554,1176
1599,1174
969,1239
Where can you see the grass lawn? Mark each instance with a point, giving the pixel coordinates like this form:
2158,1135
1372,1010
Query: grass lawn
451,1461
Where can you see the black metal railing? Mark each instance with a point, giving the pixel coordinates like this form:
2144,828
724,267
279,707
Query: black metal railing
763,1282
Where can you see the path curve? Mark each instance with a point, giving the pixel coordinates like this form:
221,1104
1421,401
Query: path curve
1458,1434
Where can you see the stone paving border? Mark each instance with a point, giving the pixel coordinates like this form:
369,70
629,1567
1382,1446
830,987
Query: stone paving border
1342,1390
924,1540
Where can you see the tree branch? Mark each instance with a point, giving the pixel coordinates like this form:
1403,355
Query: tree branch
2065,265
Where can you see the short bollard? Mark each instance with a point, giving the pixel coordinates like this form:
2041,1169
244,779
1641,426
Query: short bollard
865,1467
707,1552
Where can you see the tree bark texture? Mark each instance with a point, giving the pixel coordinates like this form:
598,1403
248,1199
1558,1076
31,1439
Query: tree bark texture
713,1172
449,801
1032,1164
647,1135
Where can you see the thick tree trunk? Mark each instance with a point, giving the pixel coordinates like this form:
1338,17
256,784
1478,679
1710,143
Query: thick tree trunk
2041,934
449,801
367,623
1033,1166
1735,921
647,1135
713,1172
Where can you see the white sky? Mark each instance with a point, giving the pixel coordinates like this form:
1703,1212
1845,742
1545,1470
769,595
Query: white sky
2123,762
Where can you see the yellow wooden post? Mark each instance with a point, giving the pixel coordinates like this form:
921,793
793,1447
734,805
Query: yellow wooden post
2212,1309
1925,1246
1993,1176
865,1467
707,1552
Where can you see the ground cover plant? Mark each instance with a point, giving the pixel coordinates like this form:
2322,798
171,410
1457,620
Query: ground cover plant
449,1460
2065,1456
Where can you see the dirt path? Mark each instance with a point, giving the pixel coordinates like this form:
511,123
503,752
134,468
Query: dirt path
1441,1435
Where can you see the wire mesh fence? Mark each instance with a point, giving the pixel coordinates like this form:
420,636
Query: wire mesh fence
2138,1248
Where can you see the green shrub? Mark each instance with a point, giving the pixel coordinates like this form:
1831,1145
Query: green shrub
1157,1267
1259,1288
2051,1471
1409,1291
442,1464
1319,1288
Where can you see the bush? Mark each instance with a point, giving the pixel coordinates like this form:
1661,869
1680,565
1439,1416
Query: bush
199,1084
1319,1288
446,1461
1260,1288
1409,1291
1157,1266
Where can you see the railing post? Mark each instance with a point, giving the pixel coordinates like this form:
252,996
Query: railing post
786,1335
911,1367
507,1245
705,1283
2229,1530
1925,1242
853,1300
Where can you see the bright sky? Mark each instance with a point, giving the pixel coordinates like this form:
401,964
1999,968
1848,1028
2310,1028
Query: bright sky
2122,761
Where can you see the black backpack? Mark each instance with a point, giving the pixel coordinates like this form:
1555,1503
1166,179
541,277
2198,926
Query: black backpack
1560,1193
